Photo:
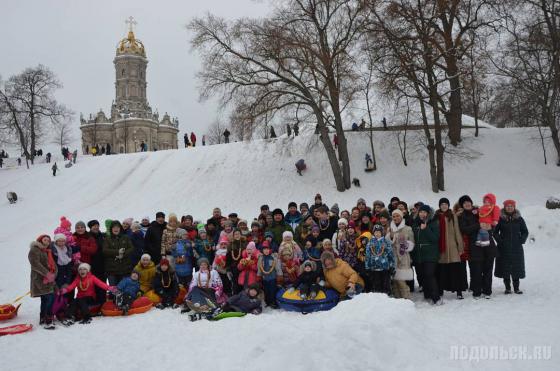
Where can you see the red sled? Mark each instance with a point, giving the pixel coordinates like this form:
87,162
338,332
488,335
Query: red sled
15,329
8,311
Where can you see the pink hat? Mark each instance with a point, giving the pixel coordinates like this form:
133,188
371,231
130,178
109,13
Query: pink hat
65,223
223,239
251,247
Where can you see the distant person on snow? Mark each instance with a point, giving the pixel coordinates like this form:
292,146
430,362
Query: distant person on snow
272,133
226,135
363,124
48,157
54,169
369,162
300,166
1,162
288,130
354,127
186,139
384,122
296,129
19,161
74,155
193,139
204,140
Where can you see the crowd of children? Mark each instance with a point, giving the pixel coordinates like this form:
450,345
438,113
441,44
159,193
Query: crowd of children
225,263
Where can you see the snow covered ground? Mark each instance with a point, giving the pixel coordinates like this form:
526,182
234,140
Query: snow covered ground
369,333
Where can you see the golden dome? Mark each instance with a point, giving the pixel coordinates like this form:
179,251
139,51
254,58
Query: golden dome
131,45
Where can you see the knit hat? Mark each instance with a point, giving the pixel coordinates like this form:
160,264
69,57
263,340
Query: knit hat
145,256
223,239
277,211
308,263
292,204
42,236
59,236
80,224
307,216
251,247
351,224
398,212
85,266
287,234
201,230
190,217
394,198
93,222
268,234
318,197
464,199
160,214
265,207
425,208
335,209
241,221
128,221
343,221
164,261
180,232
65,223
378,228
443,201
361,201
201,261
304,204
510,202
266,245
378,203
115,223
146,218
315,228
232,215
255,223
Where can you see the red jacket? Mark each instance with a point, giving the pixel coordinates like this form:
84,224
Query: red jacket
489,214
193,138
247,269
88,247
86,286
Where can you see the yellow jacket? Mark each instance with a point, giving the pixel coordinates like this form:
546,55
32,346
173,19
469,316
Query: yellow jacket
342,274
147,275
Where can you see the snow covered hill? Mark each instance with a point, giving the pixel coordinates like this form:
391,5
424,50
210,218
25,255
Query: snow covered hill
370,332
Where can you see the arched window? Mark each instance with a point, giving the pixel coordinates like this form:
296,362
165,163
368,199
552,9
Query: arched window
123,72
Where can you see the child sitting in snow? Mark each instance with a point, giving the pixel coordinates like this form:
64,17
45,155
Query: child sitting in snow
270,272
165,284
128,291
247,266
488,216
146,270
379,261
247,301
308,280
85,282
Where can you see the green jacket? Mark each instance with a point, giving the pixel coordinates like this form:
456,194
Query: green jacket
426,249
113,263
277,229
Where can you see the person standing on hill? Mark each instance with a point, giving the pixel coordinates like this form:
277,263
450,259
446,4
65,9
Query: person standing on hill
54,169
186,139
226,135
296,129
272,132
204,140
288,130
153,237
193,139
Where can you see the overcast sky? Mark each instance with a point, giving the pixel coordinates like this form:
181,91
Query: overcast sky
77,40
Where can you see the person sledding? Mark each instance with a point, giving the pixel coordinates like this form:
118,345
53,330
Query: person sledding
247,301
127,291
300,166
206,291
85,283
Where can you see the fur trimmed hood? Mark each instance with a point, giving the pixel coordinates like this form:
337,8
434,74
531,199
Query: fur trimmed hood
505,216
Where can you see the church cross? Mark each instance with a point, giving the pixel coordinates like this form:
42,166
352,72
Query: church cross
130,22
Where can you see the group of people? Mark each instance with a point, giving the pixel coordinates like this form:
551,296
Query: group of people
228,263
98,151
192,141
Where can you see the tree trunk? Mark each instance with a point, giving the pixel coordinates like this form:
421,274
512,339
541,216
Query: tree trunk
331,153
433,169
556,141
343,157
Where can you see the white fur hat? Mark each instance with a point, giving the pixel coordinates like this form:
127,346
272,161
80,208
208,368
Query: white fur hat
343,221
59,236
85,266
397,211
287,234
146,256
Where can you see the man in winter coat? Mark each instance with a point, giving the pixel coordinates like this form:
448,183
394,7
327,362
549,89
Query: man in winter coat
328,224
279,226
296,129
511,233
340,276
318,202
293,216
226,135
153,237
117,250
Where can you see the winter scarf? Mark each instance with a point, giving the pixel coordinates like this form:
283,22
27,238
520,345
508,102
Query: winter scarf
63,258
50,259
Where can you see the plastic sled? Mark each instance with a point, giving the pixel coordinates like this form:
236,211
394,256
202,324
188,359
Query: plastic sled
154,298
368,169
16,329
140,305
8,311
291,301
228,315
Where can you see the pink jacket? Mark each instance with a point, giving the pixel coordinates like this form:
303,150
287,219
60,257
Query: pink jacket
247,269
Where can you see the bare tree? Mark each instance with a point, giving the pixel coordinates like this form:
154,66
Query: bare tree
300,57
63,134
215,133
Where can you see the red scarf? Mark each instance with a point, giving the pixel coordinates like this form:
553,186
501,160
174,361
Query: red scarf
50,259
442,236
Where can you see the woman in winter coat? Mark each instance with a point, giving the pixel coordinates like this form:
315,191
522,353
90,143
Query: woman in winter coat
402,239
85,243
169,238
234,255
426,252
146,269
452,275
511,233
205,285
247,266
62,254
117,250
340,276
43,274
347,249
165,284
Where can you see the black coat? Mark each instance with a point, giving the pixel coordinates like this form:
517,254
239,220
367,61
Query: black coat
510,233
152,240
469,226
308,278
165,283
137,239
97,261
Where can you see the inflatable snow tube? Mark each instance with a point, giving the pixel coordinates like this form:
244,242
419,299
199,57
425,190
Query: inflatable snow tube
140,305
291,301
8,311
155,299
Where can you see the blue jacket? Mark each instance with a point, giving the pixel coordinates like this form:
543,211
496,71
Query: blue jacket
293,220
129,286
379,255
184,251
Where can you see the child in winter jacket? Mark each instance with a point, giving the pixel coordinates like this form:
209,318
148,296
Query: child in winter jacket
308,280
288,241
165,284
380,261
146,269
220,264
247,266
269,236
402,239
233,257
63,255
65,228
183,255
290,267
85,282
128,291
270,272
347,249
247,301
204,246
488,216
